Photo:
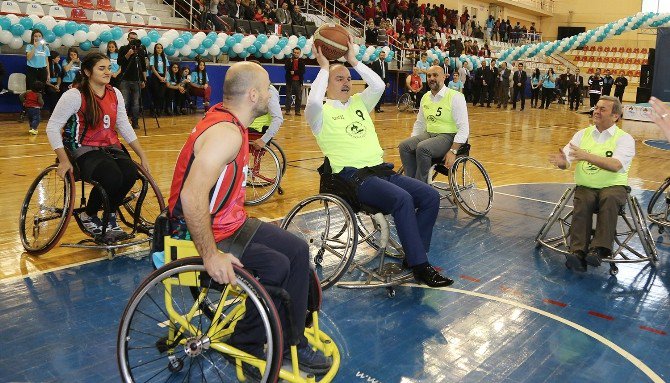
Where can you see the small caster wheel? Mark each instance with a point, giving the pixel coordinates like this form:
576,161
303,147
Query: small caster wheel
614,270
280,191
390,291
175,365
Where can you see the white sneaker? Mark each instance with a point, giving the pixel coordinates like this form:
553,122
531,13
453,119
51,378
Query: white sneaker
113,225
92,225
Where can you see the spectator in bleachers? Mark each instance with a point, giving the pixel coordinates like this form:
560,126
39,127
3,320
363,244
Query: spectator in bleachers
575,90
490,22
132,60
71,67
548,88
199,84
294,75
595,83
620,85
269,13
237,10
37,53
608,81
371,33
212,14
283,14
158,63
495,36
113,55
370,11
176,92
259,15
465,17
535,87
52,88
297,16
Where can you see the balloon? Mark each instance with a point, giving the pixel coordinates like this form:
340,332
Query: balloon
267,55
170,50
26,22
178,43
186,36
212,35
16,42
17,30
252,49
200,36
153,36
56,43
5,23
263,49
83,27
90,36
244,54
185,50
80,37
105,36
276,49
232,54
193,43
71,27
26,36
207,43
262,38
146,41
163,41
237,48
41,27
49,37
68,40
192,55
214,50
238,37
200,50
97,42
117,33
85,46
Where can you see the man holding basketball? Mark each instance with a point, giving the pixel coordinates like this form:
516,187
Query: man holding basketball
346,135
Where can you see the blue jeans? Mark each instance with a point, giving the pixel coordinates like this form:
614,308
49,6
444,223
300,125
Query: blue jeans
131,92
413,204
33,117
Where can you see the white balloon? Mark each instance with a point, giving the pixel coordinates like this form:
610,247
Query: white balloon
34,18
90,36
220,42
16,43
279,56
164,41
287,50
185,50
176,53
199,36
13,18
80,37
26,35
388,49
56,44
6,37
105,27
237,48
141,33
214,50
247,41
262,49
152,46
68,40
49,21
272,40
172,34
193,43
366,56
222,35
293,38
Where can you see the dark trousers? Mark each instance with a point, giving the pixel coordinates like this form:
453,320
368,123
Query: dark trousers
547,97
280,259
174,100
594,97
35,74
534,97
113,170
487,95
51,97
619,95
33,115
519,92
574,98
413,204
476,94
158,90
293,90
131,92
607,201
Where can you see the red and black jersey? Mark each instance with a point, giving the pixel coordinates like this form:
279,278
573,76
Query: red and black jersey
226,198
103,133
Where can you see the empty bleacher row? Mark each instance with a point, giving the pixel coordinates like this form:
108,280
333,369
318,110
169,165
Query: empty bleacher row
618,60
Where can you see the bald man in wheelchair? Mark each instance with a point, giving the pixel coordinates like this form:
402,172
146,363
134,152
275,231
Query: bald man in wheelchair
603,154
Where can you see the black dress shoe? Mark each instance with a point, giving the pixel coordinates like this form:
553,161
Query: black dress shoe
595,256
576,261
431,277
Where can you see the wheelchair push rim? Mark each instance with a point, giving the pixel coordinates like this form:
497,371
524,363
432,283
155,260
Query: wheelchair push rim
263,176
48,222
144,199
163,334
471,186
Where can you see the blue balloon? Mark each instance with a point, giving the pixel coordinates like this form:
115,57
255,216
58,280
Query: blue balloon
146,41
5,23
105,36
230,41
225,48
212,36
258,44
283,42
178,43
117,33
244,54
84,27
301,44
153,36
238,37
359,57
40,27
275,49
186,36
199,50
192,54
232,54
85,46
207,43
258,54
27,22
17,30
362,49
71,27
170,49
49,36
252,49
97,42
262,38
267,55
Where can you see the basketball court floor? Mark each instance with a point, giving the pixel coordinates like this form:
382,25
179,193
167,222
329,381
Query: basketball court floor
514,314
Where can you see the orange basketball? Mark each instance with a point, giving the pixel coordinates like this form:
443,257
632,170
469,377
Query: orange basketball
333,40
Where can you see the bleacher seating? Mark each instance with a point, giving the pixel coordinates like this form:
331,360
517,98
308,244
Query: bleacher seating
242,26
139,8
57,11
118,17
66,3
99,16
137,20
46,2
105,5
257,27
229,23
122,6
78,14
286,30
299,30
154,21
86,4
34,9
10,7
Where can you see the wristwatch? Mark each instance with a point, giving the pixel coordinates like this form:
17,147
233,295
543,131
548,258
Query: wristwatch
453,151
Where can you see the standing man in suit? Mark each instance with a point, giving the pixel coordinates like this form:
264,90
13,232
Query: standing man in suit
503,85
237,10
489,75
283,14
381,67
295,71
575,89
519,88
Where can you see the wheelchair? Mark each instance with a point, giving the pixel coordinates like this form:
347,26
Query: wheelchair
49,205
466,185
336,225
634,225
177,324
405,102
658,209
266,168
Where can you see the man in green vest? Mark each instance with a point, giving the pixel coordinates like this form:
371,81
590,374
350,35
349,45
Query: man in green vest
603,153
346,135
441,128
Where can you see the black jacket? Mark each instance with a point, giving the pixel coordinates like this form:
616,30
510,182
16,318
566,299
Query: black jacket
288,67
129,70
489,75
522,79
376,66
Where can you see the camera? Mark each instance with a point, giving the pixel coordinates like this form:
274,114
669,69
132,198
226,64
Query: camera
42,41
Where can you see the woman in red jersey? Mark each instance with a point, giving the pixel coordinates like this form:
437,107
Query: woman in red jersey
90,117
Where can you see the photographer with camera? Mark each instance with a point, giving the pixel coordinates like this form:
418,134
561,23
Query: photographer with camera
132,61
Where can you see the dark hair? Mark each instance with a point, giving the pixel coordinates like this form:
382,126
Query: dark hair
92,113
174,77
54,66
162,58
37,86
70,50
116,46
203,73
32,35
537,73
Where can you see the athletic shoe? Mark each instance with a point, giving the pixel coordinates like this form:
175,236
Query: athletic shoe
32,131
92,225
310,361
113,225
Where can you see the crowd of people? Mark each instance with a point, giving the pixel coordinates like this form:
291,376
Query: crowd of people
288,12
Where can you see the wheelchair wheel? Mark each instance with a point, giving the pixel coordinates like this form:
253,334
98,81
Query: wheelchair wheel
405,102
46,211
328,225
281,156
263,176
471,186
643,232
369,232
163,336
659,204
149,205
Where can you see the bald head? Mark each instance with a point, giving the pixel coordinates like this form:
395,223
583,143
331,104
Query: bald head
246,89
435,78
339,83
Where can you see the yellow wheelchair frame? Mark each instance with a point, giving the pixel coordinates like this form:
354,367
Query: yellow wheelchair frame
185,330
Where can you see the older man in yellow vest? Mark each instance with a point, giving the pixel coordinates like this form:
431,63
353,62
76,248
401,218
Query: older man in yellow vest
603,153
441,127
